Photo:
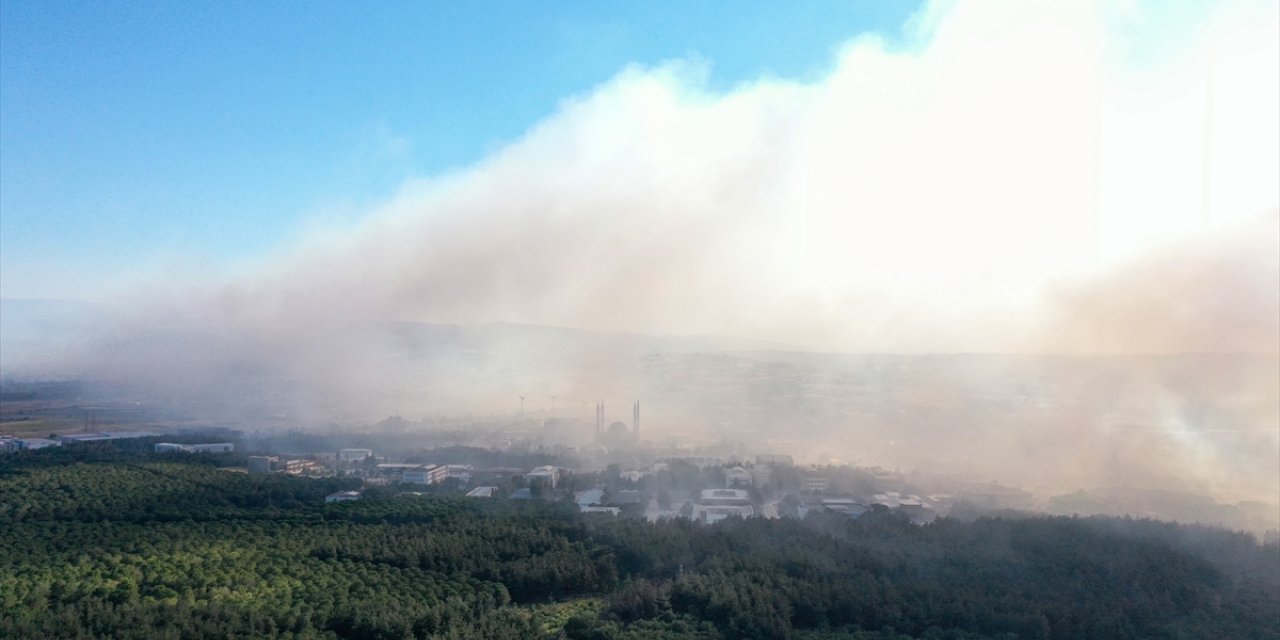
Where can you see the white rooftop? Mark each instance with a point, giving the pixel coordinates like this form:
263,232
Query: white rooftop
725,494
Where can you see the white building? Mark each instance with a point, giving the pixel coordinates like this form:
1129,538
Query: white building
27,444
847,506
342,496
816,484
547,473
425,474
460,471
715,505
887,500
482,492
105,435
213,447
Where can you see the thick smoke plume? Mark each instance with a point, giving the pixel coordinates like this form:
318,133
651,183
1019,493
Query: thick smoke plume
908,201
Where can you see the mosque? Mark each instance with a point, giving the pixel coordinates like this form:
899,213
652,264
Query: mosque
618,435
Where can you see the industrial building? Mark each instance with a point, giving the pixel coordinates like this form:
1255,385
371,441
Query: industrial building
294,467
715,505
10,444
425,474
213,447
546,473
76,438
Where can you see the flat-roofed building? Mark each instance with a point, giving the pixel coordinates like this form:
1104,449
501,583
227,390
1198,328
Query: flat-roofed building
546,473
101,436
425,474
28,444
715,505
213,447
846,506
301,466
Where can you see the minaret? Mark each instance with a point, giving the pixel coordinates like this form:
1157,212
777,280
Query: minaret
635,420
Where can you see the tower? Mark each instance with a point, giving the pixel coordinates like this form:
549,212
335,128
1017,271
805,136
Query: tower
599,419
635,420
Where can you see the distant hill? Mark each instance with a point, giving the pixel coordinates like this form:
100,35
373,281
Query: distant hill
32,328
515,340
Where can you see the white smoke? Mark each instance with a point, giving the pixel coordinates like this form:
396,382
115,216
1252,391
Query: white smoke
914,200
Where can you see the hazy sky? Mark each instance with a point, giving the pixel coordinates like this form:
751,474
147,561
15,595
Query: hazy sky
138,135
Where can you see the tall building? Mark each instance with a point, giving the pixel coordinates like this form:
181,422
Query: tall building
635,420
599,420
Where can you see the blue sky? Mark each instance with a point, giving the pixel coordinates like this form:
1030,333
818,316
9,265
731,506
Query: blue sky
133,133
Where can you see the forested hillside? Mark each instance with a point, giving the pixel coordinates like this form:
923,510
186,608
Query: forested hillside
100,542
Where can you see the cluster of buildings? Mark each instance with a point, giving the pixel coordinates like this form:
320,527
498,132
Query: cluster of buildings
418,473
10,444
288,466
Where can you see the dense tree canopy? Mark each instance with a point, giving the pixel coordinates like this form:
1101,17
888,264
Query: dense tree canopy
111,543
